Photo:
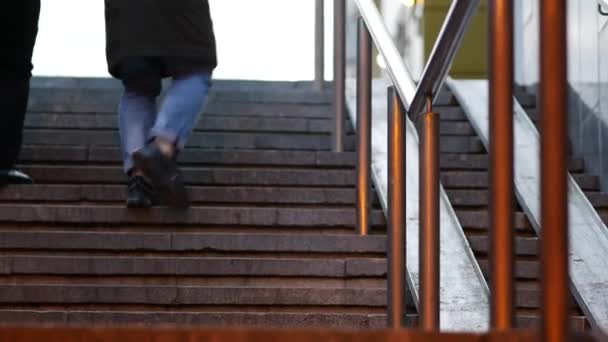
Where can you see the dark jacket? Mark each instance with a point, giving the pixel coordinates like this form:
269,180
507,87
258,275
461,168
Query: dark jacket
159,28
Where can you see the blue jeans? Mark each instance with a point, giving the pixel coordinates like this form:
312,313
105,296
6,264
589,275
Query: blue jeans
140,120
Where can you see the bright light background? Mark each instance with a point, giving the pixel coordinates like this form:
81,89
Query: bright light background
261,39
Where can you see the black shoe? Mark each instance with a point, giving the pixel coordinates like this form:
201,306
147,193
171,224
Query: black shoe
140,194
14,176
164,175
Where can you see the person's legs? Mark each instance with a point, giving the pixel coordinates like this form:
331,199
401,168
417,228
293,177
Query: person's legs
181,108
15,73
137,110
176,119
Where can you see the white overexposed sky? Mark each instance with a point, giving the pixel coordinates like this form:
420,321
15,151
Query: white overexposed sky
261,39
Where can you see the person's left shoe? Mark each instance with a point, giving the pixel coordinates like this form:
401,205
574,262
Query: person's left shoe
14,176
164,175
140,193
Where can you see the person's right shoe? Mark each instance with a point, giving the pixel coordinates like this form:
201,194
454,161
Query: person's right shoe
140,193
164,174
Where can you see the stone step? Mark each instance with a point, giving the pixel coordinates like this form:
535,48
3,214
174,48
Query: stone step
450,112
458,144
272,110
219,216
229,319
216,123
50,241
169,265
204,319
197,195
302,97
479,180
180,295
480,220
480,161
212,176
206,124
194,156
524,246
529,320
239,140
527,101
529,295
524,269
598,199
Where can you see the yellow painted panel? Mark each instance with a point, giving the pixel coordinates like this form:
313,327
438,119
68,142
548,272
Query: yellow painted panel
471,61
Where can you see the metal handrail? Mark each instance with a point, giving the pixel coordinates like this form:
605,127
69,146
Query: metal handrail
412,100
397,71
449,40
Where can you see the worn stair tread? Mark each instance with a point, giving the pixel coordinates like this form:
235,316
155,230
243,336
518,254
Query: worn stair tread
248,216
248,96
214,176
47,106
598,199
480,219
524,269
188,242
188,295
191,266
526,246
215,319
480,161
206,124
197,195
578,323
479,180
194,156
227,140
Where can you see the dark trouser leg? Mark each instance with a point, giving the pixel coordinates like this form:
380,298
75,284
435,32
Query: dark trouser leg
15,72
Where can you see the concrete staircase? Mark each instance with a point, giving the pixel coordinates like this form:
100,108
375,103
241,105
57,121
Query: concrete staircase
270,239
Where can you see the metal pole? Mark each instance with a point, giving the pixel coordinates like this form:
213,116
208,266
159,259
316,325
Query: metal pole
429,221
554,163
396,212
364,126
501,166
319,43
339,73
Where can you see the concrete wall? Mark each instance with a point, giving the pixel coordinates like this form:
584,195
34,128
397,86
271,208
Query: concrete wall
587,73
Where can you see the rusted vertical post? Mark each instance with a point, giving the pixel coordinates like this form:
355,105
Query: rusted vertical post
319,44
339,73
554,185
501,165
364,126
429,221
396,212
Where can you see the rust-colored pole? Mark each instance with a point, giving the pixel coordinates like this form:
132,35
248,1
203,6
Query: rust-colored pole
339,73
396,212
501,165
429,221
364,126
554,169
